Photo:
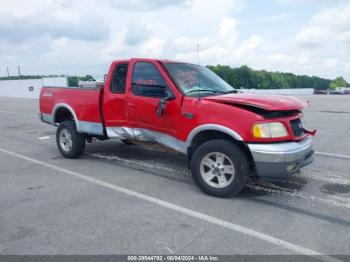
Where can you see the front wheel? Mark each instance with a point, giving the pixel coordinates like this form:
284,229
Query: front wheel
220,168
70,143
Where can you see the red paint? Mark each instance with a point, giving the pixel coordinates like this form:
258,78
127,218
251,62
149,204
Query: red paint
146,82
85,103
135,111
267,102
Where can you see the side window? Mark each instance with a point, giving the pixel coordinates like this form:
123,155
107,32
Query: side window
147,81
119,79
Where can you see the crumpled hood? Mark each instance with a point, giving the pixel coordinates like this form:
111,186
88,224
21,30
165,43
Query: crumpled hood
266,102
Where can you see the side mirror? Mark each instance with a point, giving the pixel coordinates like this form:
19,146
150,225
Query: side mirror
162,103
169,95
160,110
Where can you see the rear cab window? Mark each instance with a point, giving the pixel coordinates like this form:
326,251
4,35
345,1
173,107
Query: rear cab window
118,83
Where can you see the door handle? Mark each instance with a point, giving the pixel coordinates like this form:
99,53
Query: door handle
131,105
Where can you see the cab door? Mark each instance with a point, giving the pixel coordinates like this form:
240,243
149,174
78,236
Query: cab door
113,103
147,88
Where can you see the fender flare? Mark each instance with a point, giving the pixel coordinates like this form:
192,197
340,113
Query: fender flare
70,109
212,127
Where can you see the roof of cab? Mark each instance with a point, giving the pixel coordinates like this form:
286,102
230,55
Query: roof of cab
165,61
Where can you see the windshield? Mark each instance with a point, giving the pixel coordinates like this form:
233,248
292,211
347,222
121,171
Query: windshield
197,80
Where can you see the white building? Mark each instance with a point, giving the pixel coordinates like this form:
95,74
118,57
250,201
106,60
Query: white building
29,88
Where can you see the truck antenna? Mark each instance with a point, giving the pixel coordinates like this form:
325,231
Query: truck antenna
199,83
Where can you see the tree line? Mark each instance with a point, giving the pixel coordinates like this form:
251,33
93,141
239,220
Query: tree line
240,77
245,77
23,77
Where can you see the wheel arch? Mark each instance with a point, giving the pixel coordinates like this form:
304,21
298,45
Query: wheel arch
63,112
209,132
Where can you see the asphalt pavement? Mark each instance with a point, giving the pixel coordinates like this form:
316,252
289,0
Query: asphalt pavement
120,199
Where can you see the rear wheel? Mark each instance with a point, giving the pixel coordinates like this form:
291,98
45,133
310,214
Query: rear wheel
127,142
220,168
70,143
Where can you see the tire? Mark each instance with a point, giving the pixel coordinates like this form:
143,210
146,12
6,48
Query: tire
127,142
224,180
70,143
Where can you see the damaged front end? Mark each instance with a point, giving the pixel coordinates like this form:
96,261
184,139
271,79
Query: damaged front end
278,142
291,118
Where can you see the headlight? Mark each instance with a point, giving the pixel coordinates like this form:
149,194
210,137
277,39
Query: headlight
269,130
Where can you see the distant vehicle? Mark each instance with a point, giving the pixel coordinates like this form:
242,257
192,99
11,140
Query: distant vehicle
227,137
320,92
336,92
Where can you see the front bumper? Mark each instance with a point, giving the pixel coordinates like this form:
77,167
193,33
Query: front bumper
279,160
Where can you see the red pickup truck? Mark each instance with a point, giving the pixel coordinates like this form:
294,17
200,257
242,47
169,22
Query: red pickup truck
227,136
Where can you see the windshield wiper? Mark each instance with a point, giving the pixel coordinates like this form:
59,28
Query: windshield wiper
233,91
205,90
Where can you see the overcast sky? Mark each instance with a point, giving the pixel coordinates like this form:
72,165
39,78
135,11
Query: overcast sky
82,37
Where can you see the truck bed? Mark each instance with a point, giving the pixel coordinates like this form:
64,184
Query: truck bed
84,102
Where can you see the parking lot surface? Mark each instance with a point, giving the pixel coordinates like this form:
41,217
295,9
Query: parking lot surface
120,199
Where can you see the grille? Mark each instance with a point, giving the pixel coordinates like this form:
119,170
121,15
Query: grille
297,127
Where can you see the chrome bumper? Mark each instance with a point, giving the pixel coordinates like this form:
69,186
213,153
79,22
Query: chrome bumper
282,159
46,118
